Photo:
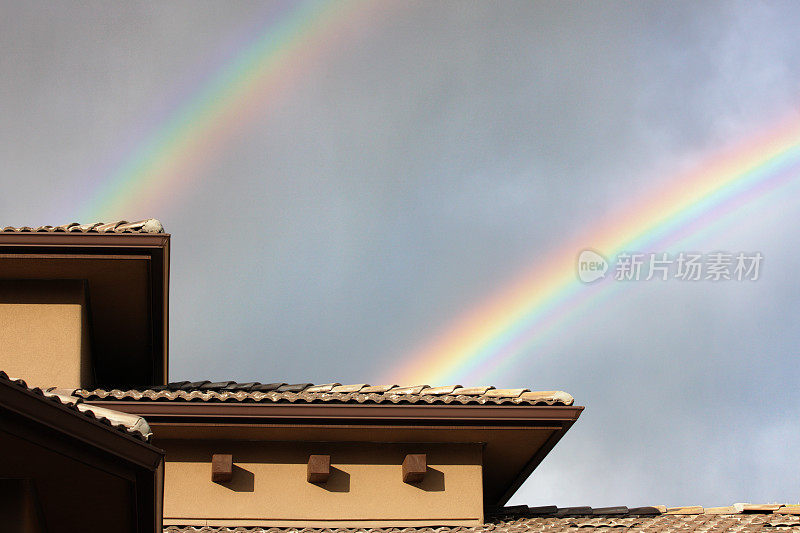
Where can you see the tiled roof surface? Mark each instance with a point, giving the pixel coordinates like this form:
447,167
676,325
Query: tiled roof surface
775,518
149,225
133,425
230,391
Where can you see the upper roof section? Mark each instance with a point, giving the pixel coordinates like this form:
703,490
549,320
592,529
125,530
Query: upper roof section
363,393
149,225
125,266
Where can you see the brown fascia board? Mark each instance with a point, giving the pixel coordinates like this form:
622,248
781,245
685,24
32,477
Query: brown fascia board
63,420
113,240
155,245
234,413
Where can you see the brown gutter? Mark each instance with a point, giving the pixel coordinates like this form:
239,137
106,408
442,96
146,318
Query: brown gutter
158,412
112,240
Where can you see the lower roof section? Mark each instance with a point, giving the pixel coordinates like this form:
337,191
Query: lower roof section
773,518
515,435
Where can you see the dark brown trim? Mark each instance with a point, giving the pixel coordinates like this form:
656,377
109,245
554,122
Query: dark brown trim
162,412
313,424
150,500
109,240
137,257
161,315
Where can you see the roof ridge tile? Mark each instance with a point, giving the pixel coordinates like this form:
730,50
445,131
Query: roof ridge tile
408,389
440,390
349,388
473,391
327,387
377,389
505,393
145,226
758,508
610,510
691,509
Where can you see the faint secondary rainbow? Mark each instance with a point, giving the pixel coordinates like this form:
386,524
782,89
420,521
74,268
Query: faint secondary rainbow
525,312
187,137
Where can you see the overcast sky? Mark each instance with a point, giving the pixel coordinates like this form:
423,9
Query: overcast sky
421,159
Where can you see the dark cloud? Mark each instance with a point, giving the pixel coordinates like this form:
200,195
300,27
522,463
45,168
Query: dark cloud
428,157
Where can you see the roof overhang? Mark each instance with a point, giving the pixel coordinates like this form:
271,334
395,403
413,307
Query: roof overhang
515,438
127,276
85,474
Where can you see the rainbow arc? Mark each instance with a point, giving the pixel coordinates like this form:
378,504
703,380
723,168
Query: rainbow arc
185,141
527,311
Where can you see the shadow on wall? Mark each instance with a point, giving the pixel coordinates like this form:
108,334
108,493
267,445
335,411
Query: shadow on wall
241,481
338,481
432,482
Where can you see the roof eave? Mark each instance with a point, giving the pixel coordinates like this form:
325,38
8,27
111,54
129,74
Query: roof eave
53,414
114,240
502,414
536,459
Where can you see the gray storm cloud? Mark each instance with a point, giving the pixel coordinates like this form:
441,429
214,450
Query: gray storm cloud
425,160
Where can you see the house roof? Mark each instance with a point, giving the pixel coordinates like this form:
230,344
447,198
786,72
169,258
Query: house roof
551,519
125,266
132,425
334,393
517,427
149,225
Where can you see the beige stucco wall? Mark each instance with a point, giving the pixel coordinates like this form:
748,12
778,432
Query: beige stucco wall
269,485
44,332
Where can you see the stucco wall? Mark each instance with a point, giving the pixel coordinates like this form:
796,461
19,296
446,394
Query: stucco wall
44,332
269,485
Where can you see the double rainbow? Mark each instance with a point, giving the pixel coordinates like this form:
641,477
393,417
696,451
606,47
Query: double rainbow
524,313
